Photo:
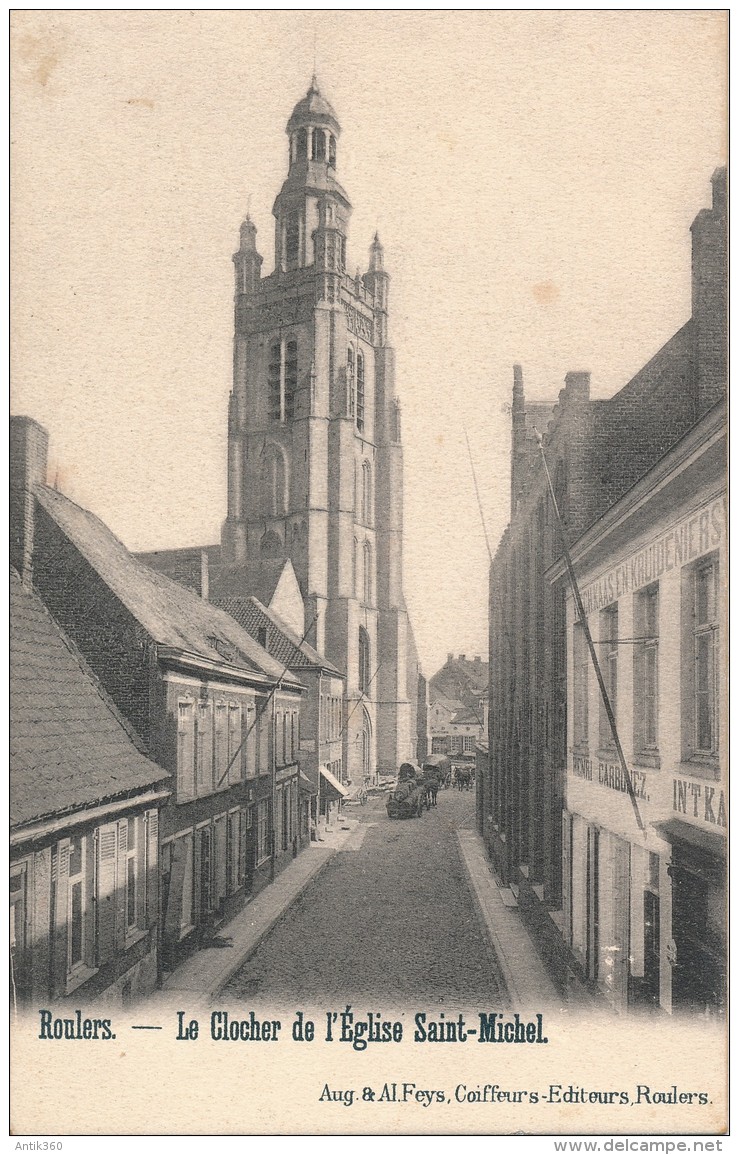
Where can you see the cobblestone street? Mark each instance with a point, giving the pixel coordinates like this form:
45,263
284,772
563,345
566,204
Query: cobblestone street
391,918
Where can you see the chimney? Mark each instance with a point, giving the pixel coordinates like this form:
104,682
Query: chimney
204,575
462,657
709,294
477,659
29,452
449,658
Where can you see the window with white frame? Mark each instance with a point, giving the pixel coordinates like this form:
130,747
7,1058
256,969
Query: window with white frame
609,670
204,747
185,749
705,647
234,742
580,686
646,669
77,937
221,744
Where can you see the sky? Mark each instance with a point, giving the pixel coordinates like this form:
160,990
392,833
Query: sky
533,177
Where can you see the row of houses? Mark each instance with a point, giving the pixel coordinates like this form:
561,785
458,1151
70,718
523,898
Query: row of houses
169,756
612,838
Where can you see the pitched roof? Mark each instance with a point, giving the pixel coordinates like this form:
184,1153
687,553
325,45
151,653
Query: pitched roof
282,643
69,747
260,578
466,717
171,615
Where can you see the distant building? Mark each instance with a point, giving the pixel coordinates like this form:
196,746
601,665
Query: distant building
206,701
596,451
462,679
322,712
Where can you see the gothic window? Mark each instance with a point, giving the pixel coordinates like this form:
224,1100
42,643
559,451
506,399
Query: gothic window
342,253
355,554
302,143
292,240
274,482
271,546
360,392
367,573
367,493
350,368
364,661
273,384
291,378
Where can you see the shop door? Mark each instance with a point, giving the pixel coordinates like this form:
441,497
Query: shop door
651,947
621,922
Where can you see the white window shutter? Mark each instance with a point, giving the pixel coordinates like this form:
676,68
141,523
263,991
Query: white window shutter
60,877
152,867
107,844
121,891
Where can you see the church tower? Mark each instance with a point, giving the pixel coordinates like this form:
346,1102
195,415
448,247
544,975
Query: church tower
315,463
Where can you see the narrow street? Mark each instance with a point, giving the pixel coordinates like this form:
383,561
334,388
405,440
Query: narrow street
390,918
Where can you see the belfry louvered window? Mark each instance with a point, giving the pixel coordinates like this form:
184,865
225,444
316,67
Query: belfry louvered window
360,392
291,378
273,384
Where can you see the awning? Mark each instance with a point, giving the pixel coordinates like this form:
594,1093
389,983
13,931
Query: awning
694,849
333,782
305,785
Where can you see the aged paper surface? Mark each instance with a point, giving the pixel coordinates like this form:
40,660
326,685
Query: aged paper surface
533,177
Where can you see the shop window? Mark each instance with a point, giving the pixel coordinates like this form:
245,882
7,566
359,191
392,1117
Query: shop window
646,667
609,669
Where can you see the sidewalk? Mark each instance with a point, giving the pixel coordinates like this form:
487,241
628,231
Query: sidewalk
205,973
522,969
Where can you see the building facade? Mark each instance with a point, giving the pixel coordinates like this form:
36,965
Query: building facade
315,460
322,718
206,702
596,451
645,910
85,806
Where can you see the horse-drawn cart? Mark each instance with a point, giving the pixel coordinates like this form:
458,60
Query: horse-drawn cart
408,798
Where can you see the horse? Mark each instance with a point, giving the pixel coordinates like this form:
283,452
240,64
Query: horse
464,777
432,780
